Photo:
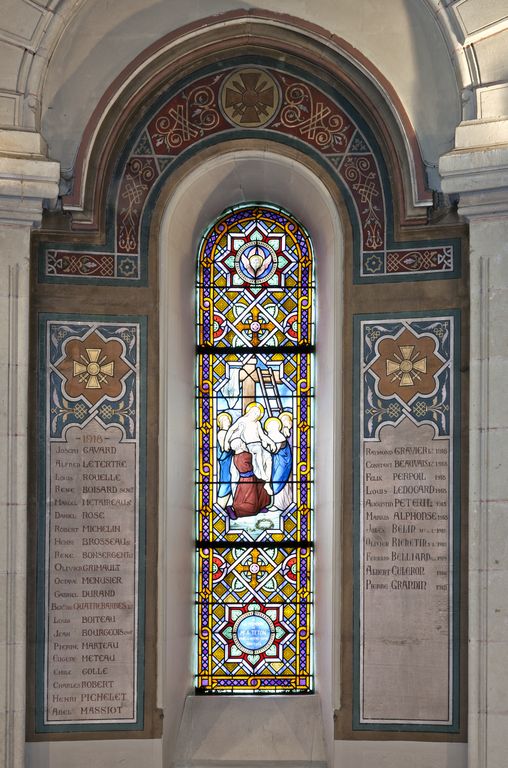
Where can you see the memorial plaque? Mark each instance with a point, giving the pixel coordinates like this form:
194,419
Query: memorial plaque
91,526
406,524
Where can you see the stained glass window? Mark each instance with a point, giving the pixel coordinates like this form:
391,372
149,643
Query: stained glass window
254,477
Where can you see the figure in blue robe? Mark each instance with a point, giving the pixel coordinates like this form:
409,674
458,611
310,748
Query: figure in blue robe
282,463
224,459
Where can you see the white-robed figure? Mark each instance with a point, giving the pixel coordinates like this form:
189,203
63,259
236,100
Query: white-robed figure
247,430
279,429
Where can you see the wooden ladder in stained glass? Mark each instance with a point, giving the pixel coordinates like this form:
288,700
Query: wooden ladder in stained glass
270,391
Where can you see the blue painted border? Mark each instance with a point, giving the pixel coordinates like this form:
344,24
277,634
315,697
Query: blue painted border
40,623
237,135
454,727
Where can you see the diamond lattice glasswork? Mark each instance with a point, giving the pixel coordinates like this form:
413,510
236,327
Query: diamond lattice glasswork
254,454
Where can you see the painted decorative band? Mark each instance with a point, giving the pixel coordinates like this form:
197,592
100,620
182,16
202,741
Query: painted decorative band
249,101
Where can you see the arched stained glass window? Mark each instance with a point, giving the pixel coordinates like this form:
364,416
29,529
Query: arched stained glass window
255,318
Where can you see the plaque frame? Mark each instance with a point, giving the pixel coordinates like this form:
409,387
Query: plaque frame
455,545
107,728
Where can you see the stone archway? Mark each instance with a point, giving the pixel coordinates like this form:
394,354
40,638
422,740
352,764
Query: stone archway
91,267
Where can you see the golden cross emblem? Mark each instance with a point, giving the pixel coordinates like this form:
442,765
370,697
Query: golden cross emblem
255,325
407,367
93,372
254,569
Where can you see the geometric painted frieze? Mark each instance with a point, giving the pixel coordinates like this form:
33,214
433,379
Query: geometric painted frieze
406,523
410,261
71,264
240,102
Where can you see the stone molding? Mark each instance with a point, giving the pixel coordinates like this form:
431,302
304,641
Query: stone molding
27,178
29,33
478,173
475,134
477,169
14,299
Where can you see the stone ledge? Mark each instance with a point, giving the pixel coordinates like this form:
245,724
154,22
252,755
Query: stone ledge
22,144
479,134
25,184
480,176
251,732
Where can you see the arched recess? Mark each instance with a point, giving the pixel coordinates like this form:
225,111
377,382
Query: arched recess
150,198
307,111
207,185
255,33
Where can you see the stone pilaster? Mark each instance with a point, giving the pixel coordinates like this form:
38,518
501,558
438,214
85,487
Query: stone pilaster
480,175
26,179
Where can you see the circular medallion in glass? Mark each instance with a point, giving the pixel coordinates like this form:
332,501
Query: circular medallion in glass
255,262
253,632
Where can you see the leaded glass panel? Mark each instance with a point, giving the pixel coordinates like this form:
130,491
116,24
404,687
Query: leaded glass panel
254,468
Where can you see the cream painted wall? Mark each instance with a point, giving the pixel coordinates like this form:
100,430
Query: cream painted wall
459,44
56,59
401,38
227,179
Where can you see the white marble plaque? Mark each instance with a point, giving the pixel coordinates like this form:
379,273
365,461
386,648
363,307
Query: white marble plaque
405,575
91,572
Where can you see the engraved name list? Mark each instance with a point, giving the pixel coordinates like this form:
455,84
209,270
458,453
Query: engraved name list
406,556
91,577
